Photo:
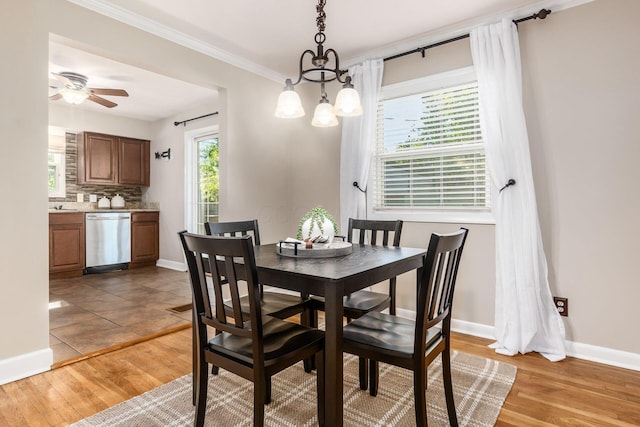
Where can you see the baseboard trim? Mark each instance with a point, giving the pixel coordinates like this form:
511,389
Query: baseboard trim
608,356
25,365
172,265
593,353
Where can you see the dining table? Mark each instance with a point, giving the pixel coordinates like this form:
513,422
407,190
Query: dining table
333,278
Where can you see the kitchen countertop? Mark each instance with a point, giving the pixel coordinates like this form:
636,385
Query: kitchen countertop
66,210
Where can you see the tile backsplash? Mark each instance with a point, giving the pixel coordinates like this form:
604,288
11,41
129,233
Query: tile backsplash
132,195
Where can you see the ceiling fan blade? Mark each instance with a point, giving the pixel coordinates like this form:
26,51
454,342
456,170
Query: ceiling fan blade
102,101
65,81
110,92
55,96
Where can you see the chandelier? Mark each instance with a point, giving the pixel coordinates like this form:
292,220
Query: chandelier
324,68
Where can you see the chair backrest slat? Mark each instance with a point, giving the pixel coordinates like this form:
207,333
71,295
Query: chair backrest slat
234,228
230,261
374,228
437,283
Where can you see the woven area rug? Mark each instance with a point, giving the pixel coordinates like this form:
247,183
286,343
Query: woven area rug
480,387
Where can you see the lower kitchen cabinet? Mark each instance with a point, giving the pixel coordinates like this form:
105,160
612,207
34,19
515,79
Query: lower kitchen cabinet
145,239
66,244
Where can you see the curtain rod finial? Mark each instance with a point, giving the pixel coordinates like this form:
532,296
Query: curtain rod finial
542,14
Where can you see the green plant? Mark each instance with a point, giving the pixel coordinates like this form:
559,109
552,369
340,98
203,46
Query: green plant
317,216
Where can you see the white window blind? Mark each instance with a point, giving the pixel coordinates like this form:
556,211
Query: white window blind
429,151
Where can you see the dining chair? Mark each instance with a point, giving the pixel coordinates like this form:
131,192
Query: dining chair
359,303
410,344
254,346
273,303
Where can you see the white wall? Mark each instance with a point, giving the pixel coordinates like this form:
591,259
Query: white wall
257,175
73,120
24,318
168,177
581,101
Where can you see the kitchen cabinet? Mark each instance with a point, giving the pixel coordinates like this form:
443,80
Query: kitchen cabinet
66,244
145,239
133,162
112,160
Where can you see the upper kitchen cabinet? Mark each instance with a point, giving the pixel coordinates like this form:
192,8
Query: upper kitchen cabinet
110,159
133,162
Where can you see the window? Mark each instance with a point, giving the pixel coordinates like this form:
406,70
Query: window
203,183
56,155
429,157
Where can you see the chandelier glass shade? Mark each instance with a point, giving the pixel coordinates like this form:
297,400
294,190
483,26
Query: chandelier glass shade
324,67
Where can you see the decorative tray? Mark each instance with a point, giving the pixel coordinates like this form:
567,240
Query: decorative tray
319,250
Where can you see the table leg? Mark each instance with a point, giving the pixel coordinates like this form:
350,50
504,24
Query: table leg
333,355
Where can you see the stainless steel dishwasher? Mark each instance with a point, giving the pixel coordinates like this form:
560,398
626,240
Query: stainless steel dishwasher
107,241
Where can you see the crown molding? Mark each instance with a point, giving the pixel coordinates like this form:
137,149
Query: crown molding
460,28
157,29
150,26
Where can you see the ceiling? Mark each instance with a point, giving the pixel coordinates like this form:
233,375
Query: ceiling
268,37
151,96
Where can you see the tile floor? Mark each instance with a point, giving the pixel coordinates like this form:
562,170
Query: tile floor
96,311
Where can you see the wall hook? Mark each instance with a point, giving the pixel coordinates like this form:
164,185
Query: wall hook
355,184
508,184
164,154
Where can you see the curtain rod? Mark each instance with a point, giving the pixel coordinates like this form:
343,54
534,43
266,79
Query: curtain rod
184,122
540,15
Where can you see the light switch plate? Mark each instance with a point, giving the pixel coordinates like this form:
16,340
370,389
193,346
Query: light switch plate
80,197
93,198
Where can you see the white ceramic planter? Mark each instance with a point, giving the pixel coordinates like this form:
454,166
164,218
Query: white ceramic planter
311,231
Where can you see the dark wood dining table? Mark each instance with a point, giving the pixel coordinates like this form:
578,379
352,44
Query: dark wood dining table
334,278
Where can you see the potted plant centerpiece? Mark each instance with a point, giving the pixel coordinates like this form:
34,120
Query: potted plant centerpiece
317,225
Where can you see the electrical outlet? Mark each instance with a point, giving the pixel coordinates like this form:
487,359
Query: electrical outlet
562,304
80,197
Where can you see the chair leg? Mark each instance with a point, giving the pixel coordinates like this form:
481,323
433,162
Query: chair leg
214,368
267,391
374,377
420,400
309,317
392,292
448,388
201,386
258,408
363,373
319,358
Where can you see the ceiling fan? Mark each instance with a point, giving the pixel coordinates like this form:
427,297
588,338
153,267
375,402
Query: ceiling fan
75,90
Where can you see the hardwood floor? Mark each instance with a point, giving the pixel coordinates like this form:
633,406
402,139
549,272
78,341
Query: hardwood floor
568,393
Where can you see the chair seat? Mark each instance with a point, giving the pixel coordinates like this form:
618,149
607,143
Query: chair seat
280,337
359,303
273,303
391,335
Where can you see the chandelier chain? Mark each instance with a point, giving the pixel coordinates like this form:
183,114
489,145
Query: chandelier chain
321,16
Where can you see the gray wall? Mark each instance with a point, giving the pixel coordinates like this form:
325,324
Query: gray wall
582,104
260,153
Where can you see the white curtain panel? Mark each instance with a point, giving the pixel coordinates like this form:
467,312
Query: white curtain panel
526,318
358,141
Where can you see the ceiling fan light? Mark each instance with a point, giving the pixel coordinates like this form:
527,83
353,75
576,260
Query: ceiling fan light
289,105
348,103
73,96
323,116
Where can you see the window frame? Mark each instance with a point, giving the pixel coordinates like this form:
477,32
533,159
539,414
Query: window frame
428,214
192,173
